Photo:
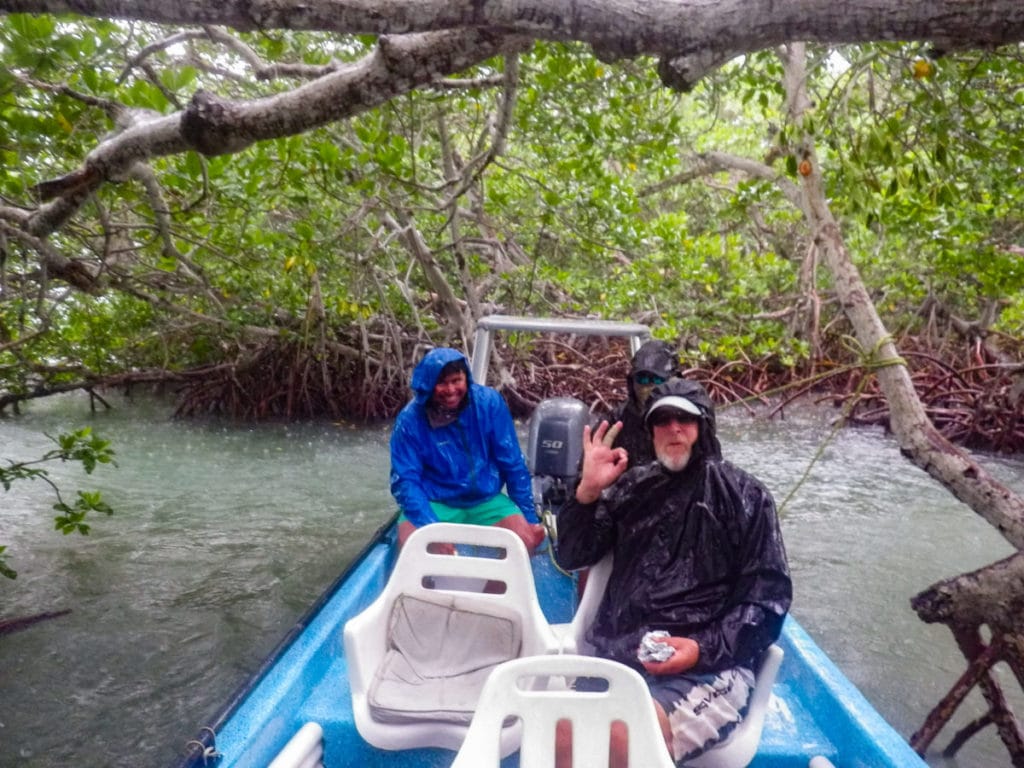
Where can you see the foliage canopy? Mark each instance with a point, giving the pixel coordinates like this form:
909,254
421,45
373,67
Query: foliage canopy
543,182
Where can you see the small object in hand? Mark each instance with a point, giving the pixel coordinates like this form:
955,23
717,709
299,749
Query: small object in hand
653,648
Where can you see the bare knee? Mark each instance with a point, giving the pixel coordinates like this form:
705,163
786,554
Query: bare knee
529,533
666,727
405,529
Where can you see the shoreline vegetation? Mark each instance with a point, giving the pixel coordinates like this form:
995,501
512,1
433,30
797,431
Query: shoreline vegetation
973,392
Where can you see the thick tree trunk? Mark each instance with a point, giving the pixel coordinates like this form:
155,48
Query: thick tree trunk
919,440
993,596
990,598
692,35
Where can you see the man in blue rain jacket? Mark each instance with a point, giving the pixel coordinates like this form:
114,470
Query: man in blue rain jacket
453,448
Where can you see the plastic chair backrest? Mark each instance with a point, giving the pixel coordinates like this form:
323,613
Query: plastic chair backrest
736,751
522,689
593,593
456,581
572,636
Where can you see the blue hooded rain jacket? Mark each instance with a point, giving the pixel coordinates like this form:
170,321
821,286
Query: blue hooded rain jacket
463,463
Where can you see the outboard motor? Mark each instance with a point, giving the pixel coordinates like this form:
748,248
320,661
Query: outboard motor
555,453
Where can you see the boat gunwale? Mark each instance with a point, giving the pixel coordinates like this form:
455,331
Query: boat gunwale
206,735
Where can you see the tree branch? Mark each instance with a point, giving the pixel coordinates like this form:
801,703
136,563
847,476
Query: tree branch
215,126
694,34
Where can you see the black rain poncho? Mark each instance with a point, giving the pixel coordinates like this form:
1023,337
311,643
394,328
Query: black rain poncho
655,357
698,553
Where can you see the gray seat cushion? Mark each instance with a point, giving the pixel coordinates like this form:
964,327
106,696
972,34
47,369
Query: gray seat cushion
437,660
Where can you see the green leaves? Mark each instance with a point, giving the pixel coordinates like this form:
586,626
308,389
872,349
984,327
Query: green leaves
85,447
599,201
179,78
5,570
82,446
72,519
32,28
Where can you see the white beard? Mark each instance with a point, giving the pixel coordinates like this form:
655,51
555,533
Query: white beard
674,463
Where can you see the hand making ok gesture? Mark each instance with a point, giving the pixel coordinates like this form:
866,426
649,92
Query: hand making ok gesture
602,464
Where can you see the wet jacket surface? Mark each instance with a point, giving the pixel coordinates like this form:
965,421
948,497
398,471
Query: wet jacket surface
633,437
698,553
655,357
463,463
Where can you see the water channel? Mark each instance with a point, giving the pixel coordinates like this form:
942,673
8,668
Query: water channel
223,535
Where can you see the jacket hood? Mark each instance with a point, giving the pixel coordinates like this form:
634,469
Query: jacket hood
707,442
428,370
655,357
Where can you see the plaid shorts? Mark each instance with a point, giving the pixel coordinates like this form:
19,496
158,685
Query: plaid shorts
702,709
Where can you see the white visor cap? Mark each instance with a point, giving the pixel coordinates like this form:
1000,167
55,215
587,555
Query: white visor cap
673,401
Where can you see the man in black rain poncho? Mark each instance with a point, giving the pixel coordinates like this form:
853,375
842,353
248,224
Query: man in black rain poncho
654,363
698,553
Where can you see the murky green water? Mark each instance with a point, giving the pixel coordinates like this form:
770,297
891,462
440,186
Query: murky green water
223,535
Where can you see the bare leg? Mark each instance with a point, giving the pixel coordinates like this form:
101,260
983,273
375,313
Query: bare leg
581,582
618,748
405,529
563,744
619,754
618,745
666,727
532,534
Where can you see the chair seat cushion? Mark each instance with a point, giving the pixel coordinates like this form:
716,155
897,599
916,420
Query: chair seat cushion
437,660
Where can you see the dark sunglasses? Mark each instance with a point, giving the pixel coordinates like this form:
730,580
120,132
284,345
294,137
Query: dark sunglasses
661,418
646,379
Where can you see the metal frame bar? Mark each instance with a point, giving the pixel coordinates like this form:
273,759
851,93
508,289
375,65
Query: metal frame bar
483,340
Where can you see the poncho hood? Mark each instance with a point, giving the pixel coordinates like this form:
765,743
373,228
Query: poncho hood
655,357
708,447
428,370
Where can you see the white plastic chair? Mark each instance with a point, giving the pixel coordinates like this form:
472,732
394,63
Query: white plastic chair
739,748
736,751
572,636
519,689
304,750
449,584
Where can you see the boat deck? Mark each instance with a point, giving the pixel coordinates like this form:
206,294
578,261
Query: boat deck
310,683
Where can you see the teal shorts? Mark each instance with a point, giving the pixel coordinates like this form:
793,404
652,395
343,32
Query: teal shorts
489,512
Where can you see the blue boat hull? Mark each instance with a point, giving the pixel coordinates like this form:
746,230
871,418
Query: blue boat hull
815,709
